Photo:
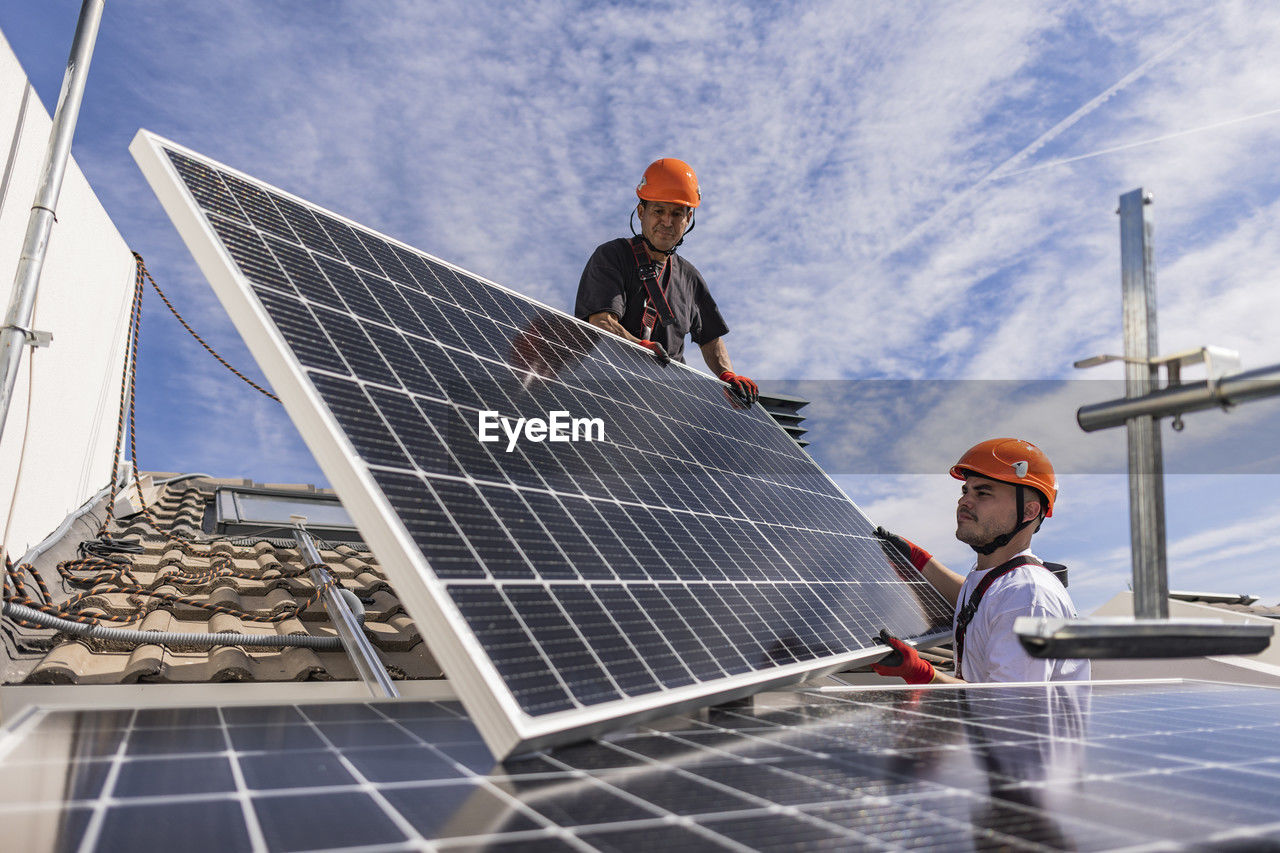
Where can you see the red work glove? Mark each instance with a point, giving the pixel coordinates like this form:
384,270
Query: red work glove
917,556
659,354
904,662
745,392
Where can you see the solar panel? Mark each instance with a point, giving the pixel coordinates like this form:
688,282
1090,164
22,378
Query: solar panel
1033,767
670,552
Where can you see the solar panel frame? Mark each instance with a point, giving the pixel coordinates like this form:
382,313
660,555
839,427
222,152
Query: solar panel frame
333,438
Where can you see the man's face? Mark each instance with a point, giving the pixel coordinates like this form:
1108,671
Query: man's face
986,509
663,223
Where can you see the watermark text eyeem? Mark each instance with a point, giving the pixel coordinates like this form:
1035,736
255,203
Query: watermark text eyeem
557,426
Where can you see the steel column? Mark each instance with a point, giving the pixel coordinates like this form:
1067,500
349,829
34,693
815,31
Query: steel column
1146,461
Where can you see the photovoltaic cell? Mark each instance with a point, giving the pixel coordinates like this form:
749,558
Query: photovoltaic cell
1069,766
688,552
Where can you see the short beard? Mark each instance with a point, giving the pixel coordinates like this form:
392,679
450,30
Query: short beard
977,536
972,538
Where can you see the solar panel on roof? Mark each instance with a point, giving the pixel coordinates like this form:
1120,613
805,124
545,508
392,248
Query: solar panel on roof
988,767
687,552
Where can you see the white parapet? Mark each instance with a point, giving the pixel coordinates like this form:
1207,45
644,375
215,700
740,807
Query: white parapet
57,443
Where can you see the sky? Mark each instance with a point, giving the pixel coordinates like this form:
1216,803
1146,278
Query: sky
908,216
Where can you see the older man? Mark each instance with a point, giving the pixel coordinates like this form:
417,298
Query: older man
641,290
1009,490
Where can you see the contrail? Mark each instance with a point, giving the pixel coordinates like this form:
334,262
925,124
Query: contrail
1129,145
1003,169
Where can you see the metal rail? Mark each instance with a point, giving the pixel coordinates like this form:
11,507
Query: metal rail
17,334
1181,399
356,644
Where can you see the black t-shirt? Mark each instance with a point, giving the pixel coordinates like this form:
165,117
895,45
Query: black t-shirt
611,282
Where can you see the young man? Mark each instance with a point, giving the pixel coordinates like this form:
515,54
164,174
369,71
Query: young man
1009,489
641,290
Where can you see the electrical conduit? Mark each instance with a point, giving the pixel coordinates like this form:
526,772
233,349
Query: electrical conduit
170,638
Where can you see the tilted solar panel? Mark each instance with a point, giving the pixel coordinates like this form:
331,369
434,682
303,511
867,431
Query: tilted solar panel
633,546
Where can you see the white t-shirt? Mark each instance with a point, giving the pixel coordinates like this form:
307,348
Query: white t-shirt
991,649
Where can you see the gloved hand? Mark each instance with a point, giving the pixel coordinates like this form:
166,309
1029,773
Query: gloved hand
745,392
904,662
659,354
916,555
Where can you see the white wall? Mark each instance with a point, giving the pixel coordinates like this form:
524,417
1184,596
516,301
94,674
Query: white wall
84,297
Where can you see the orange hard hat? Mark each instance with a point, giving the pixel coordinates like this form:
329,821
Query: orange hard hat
1013,461
670,180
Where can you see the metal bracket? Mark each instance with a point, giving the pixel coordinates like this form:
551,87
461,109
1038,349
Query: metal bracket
32,337
1219,363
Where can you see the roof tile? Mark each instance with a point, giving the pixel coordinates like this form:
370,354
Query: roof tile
187,568
143,663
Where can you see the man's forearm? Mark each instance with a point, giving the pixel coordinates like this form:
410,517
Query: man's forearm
944,580
608,321
716,356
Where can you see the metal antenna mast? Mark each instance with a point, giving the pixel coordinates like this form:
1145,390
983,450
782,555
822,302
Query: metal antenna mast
1146,455
16,334
1151,633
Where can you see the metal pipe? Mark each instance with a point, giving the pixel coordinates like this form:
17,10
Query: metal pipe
1146,458
356,644
169,638
1181,399
17,322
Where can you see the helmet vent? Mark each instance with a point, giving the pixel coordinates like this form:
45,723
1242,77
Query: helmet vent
1020,469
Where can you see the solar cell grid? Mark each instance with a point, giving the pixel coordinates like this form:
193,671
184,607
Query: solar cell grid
742,556
981,767
207,187
261,210
305,226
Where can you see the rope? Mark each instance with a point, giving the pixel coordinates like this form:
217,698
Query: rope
135,310
119,579
105,566
142,270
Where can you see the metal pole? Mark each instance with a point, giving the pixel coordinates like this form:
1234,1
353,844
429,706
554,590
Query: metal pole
1146,461
16,332
354,642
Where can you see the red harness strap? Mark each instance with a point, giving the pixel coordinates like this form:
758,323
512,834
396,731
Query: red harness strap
656,309
975,598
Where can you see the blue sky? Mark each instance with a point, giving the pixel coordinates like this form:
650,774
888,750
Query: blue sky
916,192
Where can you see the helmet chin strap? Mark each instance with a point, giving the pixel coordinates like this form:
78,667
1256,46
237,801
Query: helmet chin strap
653,248
1005,538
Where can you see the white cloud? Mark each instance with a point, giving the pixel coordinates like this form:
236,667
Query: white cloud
847,230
